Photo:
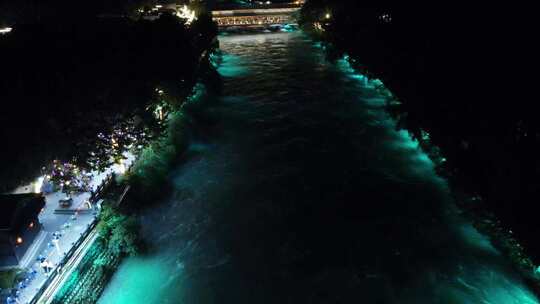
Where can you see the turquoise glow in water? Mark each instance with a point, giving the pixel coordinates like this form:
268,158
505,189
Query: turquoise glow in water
139,280
302,191
232,67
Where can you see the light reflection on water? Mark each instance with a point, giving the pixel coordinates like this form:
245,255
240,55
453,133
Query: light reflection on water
303,192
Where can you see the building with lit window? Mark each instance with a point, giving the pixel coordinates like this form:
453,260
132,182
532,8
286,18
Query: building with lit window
19,225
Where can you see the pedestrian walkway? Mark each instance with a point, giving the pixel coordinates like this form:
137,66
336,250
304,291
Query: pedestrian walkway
61,230
31,253
67,269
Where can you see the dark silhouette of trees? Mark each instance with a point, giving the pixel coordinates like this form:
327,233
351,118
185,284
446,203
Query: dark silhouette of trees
455,70
66,81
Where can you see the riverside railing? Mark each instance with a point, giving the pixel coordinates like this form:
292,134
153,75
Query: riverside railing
100,190
66,258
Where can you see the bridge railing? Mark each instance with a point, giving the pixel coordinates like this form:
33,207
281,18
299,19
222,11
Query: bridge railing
252,20
256,6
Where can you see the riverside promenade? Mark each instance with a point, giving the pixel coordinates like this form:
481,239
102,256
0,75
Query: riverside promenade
63,231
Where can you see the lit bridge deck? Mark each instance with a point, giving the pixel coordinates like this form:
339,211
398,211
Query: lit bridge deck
256,16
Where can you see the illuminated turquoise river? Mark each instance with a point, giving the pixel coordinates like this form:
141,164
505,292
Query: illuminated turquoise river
298,189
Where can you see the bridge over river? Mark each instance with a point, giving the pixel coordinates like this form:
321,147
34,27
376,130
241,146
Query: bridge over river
256,16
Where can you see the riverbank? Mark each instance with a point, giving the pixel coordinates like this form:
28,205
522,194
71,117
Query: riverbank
82,129
117,232
118,228
470,142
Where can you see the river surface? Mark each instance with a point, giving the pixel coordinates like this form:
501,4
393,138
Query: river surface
298,189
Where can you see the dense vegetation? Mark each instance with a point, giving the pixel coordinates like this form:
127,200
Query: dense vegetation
118,227
118,237
8,278
451,69
149,175
31,11
70,87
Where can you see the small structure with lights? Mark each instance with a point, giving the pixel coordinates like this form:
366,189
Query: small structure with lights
19,225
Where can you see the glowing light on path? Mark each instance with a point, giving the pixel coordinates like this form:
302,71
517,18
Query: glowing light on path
186,13
120,167
5,30
38,184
